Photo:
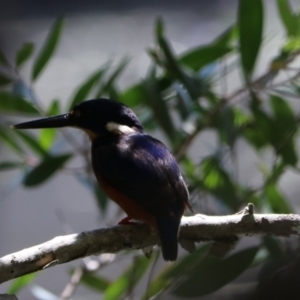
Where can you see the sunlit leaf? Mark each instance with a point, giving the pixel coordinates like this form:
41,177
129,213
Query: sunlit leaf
21,282
290,48
48,49
47,136
289,19
128,279
14,104
84,90
212,273
240,118
24,54
250,23
45,169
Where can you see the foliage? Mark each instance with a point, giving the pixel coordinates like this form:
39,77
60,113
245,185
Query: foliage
179,95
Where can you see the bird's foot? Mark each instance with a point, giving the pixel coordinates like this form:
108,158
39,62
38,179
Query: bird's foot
126,221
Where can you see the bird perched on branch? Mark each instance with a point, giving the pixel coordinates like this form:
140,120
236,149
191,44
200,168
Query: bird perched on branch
135,170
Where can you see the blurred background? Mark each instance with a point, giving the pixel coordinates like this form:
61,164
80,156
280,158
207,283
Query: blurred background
96,32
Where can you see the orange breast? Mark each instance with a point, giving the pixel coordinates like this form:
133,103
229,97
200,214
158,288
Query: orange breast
132,209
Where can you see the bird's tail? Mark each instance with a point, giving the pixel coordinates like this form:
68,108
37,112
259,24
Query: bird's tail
168,232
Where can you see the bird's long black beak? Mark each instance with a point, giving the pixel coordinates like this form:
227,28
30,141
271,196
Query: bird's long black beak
52,122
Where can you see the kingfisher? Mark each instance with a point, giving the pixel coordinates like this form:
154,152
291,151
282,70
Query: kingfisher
134,169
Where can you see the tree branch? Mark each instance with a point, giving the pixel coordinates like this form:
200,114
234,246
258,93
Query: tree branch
66,248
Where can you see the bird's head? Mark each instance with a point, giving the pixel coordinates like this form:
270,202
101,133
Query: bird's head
97,117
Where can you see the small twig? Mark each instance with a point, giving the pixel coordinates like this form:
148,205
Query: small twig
73,283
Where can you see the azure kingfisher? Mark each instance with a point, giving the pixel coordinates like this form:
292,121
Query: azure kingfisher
134,169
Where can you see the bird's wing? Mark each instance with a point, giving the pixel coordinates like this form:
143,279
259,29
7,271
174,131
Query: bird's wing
143,169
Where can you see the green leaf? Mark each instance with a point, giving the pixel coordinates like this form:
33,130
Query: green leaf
4,80
225,126
109,85
161,112
273,246
250,22
45,169
48,49
159,27
174,68
84,90
14,104
277,171
47,135
204,55
100,197
172,273
3,59
21,282
212,273
147,119
283,114
216,181
9,140
283,130
9,165
24,54
133,95
128,279
276,201
95,282
240,117
288,18
259,133
32,143
286,149
289,50
183,101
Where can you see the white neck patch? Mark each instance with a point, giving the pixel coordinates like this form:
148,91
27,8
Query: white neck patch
118,128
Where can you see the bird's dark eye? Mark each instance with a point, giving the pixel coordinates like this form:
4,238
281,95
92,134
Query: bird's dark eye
75,113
